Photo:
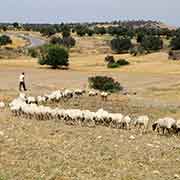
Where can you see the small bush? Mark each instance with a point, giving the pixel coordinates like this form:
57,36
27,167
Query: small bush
113,65
104,83
122,62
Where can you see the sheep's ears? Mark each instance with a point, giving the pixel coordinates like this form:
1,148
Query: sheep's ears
154,126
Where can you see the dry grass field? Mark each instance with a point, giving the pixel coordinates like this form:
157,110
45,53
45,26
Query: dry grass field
51,150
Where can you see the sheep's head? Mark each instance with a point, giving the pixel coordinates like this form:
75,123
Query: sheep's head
154,126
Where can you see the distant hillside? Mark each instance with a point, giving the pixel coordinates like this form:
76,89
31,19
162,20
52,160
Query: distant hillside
137,24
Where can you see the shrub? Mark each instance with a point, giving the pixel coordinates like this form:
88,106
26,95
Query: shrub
54,56
122,62
104,83
113,65
4,40
121,45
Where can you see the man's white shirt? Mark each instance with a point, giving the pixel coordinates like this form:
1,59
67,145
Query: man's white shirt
21,78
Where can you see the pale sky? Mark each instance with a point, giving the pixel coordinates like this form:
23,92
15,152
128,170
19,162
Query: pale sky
56,11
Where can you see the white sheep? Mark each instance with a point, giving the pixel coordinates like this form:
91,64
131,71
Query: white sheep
2,105
79,92
116,119
164,124
31,100
92,93
104,95
142,121
125,122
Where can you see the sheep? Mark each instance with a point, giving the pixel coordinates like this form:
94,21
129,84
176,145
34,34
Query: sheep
31,100
104,95
79,92
92,93
101,116
142,121
88,118
2,105
125,122
164,124
41,99
116,120
22,96
68,93
177,127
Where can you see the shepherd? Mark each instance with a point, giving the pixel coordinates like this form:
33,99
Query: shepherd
22,82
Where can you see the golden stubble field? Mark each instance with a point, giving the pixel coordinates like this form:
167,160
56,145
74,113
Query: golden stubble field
51,150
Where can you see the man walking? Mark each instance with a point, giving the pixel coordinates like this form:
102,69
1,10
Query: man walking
22,82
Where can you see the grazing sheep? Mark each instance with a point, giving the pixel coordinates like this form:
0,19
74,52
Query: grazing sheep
116,120
125,122
178,127
79,92
142,121
2,105
104,96
68,93
164,124
31,100
92,93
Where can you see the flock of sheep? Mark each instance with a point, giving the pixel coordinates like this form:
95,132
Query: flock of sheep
58,95
28,107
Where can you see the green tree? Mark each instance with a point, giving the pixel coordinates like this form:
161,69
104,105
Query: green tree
153,43
120,45
4,40
54,56
16,25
